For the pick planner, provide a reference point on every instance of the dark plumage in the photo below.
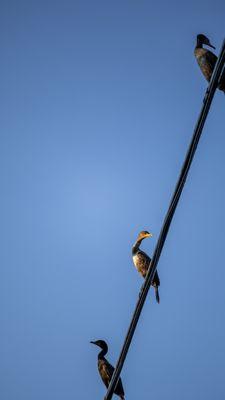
(206, 59)
(142, 260)
(106, 369)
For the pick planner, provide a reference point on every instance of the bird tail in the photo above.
(157, 294)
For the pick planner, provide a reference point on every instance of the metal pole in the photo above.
(169, 216)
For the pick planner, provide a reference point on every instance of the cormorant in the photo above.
(206, 59)
(106, 369)
(142, 261)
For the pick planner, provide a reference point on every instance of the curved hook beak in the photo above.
(210, 45)
(149, 234)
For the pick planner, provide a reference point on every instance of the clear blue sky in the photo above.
(99, 102)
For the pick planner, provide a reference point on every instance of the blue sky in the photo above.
(99, 104)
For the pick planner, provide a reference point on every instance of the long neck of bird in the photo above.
(102, 353)
(136, 246)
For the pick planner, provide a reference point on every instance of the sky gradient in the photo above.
(99, 102)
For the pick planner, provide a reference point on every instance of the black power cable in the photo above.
(169, 216)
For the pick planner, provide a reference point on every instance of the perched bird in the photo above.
(206, 59)
(106, 369)
(142, 261)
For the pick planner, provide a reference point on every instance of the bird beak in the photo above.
(149, 235)
(92, 342)
(210, 45)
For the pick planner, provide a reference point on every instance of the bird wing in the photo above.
(207, 63)
(206, 60)
(119, 387)
(211, 59)
(109, 369)
(142, 263)
(147, 260)
(106, 371)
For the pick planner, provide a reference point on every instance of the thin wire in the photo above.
(168, 218)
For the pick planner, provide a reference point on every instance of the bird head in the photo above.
(101, 343)
(144, 234)
(204, 40)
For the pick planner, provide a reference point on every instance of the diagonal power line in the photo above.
(169, 216)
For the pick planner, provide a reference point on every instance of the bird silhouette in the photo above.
(106, 369)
